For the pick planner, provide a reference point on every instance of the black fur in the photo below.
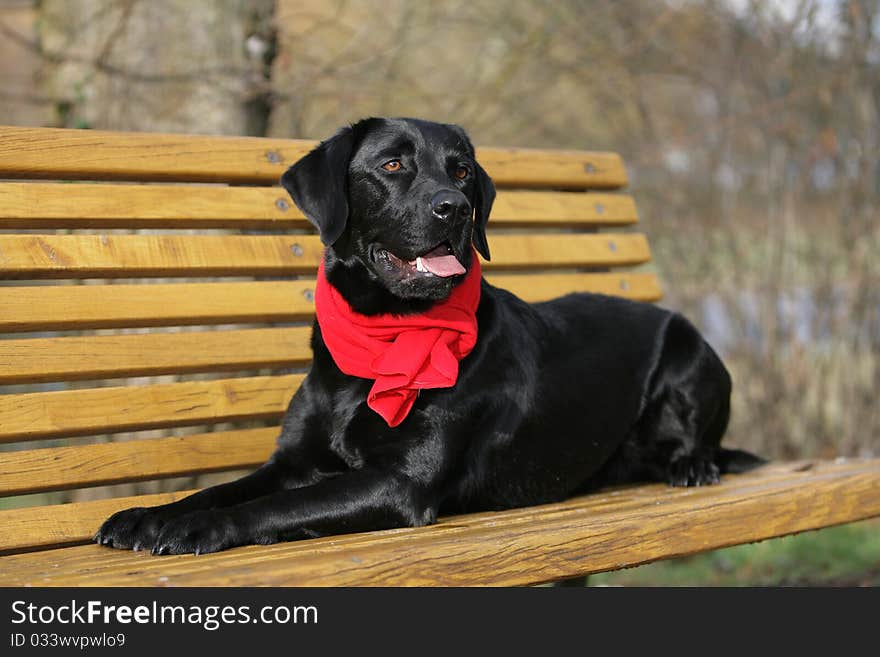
(556, 398)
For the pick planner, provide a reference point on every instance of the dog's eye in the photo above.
(392, 166)
(462, 172)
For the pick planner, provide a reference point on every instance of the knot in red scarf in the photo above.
(402, 353)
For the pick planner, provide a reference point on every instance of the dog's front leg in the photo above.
(137, 528)
(352, 502)
(299, 461)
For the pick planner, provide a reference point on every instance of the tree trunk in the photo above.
(164, 65)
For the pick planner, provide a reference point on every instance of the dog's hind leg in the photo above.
(677, 437)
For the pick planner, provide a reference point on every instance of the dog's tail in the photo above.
(735, 461)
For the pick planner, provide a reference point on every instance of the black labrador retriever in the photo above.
(549, 400)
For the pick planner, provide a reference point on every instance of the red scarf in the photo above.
(402, 353)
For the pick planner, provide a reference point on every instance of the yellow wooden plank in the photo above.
(114, 256)
(59, 468)
(71, 307)
(525, 546)
(525, 251)
(556, 169)
(540, 208)
(66, 524)
(37, 205)
(102, 155)
(109, 356)
(542, 287)
(64, 413)
(104, 256)
(98, 155)
(91, 205)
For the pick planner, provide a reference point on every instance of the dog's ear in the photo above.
(317, 183)
(484, 197)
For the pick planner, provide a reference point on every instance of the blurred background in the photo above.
(751, 132)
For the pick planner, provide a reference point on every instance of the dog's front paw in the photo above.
(199, 532)
(135, 528)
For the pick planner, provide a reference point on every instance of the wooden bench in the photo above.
(224, 253)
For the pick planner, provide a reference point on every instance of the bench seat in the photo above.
(608, 530)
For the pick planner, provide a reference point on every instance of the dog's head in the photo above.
(399, 203)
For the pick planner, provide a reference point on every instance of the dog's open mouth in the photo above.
(439, 261)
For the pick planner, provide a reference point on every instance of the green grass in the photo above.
(839, 556)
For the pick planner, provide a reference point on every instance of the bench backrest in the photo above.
(181, 260)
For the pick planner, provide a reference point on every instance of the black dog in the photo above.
(555, 398)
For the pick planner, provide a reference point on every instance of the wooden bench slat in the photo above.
(567, 250)
(543, 287)
(523, 546)
(115, 256)
(110, 256)
(100, 155)
(538, 208)
(556, 169)
(110, 356)
(104, 155)
(92, 411)
(80, 466)
(72, 307)
(59, 205)
(66, 524)
(85, 205)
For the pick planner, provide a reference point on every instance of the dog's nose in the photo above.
(447, 204)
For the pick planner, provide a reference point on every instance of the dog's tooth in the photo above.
(419, 266)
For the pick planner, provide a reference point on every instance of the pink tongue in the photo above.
(447, 265)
